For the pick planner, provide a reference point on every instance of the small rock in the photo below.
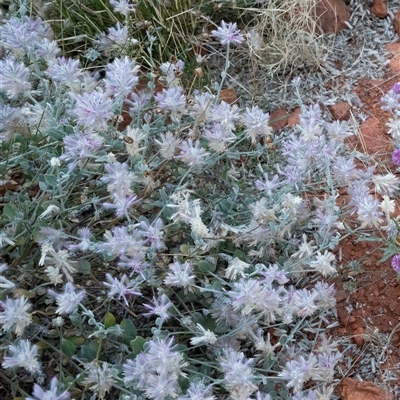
(331, 15)
(396, 22)
(379, 8)
(294, 117)
(278, 119)
(228, 95)
(357, 338)
(352, 389)
(341, 111)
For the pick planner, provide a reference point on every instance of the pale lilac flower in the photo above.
(134, 262)
(396, 157)
(391, 101)
(52, 394)
(153, 234)
(160, 308)
(119, 178)
(116, 39)
(180, 275)
(387, 206)
(306, 249)
(171, 100)
(324, 263)
(10, 118)
(79, 146)
(206, 336)
(394, 128)
(92, 110)
(202, 102)
(251, 296)
(121, 77)
(344, 170)
(228, 33)
(396, 263)
(304, 302)
(368, 212)
(22, 354)
(163, 357)
(268, 185)
(238, 374)
(161, 386)
(100, 378)
(121, 204)
(236, 267)
(198, 390)
(121, 242)
(68, 301)
(168, 145)
(396, 87)
(66, 71)
(218, 137)
(21, 35)
(225, 114)
(136, 371)
(14, 78)
(325, 295)
(125, 7)
(272, 273)
(298, 372)
(121, 288)
(139, 101)
(385, 184)
(257, 123)
(171, 71)
(84, 241)
(5, 284)
(15, 315)
(59, 259)
(192, 155)
(48, 50)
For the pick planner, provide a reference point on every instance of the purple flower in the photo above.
(119, 178)
(396, 88)
(80, 146)
(22, 354)
(14, 78)
(153, 233)
(51, 394)
(160, 307)
(228, 33)
(122, 204)
(66, 71)
(396, 157)
(92, 110)
(396, 263)
(121, 288)
(121, 77)
(193, 155)
(69, 300)
(171, 100)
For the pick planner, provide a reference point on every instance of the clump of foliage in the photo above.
(156, 242)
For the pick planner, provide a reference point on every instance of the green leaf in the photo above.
(87, 353)
(129, 328)
(9, 211)
(205, 266)
(84, 267)
(77, 340)
(109, 320)
(67, 347)
(137, 344)
(51, 180)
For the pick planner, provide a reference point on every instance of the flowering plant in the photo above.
(155, 245)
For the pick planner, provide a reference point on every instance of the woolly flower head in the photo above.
(14, 78)
(396, 263)
(69, 300)
(228, 33)
(22, 354)
(15, 315)
(52, 394)
(324, 263)
(257, 123)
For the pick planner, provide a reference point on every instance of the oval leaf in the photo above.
(68, 348)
